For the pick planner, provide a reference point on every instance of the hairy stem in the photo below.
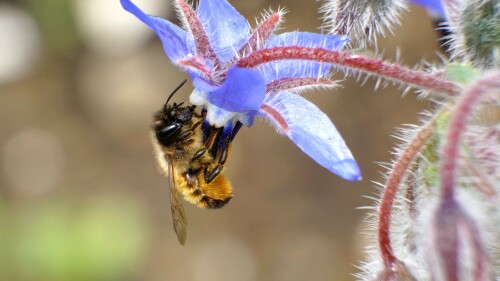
(481, 260)
(456, 128)
(355, 62)
(449, 215)
(393, 182)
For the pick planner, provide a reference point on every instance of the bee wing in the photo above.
(178, 213)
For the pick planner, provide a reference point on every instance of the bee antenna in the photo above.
(177, 105)
(173, 92)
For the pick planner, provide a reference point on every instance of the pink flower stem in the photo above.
(484, 186)
(446, 238)
(456, 127)
(393, 182)
(481, 259)
(449, 214)
(356, 62)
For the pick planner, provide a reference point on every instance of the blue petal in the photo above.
(248, 118)
(301, 68)
(434, 5)
(312, 131)
(244, 90)
(292, 69)
(201, 84)
(176, 42)
(227, 30)
(307, 39)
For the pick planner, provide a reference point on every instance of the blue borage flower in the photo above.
(434, 5)
(215, 37)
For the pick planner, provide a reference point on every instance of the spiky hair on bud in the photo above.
(412, 213)
(438, 216)
(476, 33)
(362, 19)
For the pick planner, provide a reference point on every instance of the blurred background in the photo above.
(80, 194)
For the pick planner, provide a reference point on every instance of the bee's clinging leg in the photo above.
(196, 124)
(222, 157)
(202, 115)
(212, 139)
(198, 154)
(235, 130)
(187, 142)
(184, 135)
(211, 175)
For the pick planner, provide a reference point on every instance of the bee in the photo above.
(192, 154)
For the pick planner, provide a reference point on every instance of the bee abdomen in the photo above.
(213, 195)
(211, 203)
(196, 196)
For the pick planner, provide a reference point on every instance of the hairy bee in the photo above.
(192, 155)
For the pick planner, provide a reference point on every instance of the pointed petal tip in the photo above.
(177, 44)
(347, 169)
(312, 131)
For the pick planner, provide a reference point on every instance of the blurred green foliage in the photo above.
(104, 239)
(461, 73)
(3, 239)
(56, 21)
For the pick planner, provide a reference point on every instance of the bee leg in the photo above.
(213, 139)
(187, 142)
(190, 132)
(212, 174)
(208, 145)
(235, 130)
(184, 135)
(221, 155)
(196, 124)
(198, 154)
(202, 115)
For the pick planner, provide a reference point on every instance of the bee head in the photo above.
(177, 113)
(168, 122)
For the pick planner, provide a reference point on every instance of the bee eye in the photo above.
(167, 131)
